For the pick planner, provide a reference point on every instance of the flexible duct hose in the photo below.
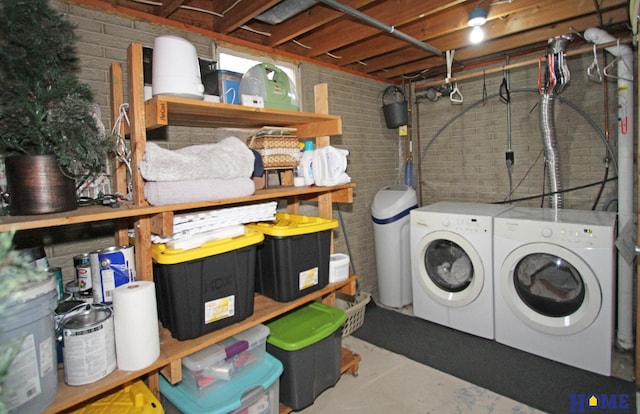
(548, 129)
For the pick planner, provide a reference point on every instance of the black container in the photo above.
(308, 342)
(294, 259)
(212, 289)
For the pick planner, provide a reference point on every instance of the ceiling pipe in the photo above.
(379, 25)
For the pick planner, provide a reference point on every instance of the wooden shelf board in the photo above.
(100, 213)
(265, 309)
(169, 110)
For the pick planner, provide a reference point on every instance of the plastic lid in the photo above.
(217, 353)
(230, 396)
(305, 326)
(308, 146)
(392, 200)
(164, 255)
(34, 290)
(286, 225)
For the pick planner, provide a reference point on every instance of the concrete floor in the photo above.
(391, 383)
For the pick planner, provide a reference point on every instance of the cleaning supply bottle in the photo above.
(306, 163)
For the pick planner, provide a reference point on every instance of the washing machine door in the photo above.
(450, 269)
(550, 288)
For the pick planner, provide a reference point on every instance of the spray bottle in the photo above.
(306, 162)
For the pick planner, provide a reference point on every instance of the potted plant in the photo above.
(47, 116)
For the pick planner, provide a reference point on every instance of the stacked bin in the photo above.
(207, 288)
(308, 342)
(294, 259)
(235, 375)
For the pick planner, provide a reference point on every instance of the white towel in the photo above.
(227, 159)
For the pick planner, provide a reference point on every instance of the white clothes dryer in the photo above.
(452, 268)
(555, 284)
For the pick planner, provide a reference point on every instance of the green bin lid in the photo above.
(305, 326)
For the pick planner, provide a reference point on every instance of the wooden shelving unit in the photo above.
(145, 219)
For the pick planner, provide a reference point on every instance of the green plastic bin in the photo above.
(308, 342)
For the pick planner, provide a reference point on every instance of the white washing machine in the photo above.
(555, 284)
(451, 263)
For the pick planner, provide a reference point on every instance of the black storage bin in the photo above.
(294, 259)
(208, 288)
(308, 342)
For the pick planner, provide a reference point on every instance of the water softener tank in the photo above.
(390, 214)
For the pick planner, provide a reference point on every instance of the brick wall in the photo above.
(466, 162)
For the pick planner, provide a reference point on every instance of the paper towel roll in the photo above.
(135, 319)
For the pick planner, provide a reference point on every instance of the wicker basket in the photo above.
(354, 306)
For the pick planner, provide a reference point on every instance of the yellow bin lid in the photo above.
(164, 255)
(287, 224)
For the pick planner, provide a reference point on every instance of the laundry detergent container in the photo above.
(294, 259)
(390, 216)
(308, 342)
(207, 288)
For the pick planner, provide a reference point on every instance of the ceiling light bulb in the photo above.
(477, 17)
(477, 35)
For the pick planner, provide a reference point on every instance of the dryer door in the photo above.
(550, 288)
(450, 270)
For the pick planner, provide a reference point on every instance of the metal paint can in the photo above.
(56, 273)
(110, 268)
(37, 255)
(88, 345)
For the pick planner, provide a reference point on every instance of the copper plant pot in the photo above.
(37, 186)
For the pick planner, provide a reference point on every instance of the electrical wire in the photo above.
(529, 90)
(564, 190)
(566, 101)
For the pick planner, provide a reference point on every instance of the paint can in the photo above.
(27, 323)
(88, 345)
(65, 309)
(110, 268)
(82, 264)
(37, 255)
(56, 273)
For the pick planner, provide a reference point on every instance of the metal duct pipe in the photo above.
(553, 82)
(379, 25)
(548, 129)
(624, 54)
(284, 11)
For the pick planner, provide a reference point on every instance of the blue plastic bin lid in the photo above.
(229, 397)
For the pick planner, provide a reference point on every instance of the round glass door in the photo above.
(450, 270)
(548, 284)
(448, 265)
(550, 288)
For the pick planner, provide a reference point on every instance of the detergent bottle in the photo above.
(306, 163)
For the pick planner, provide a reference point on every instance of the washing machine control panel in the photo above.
(565, 234)
(466, 224)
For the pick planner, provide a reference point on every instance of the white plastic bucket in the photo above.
(175, 70)
(32, 379)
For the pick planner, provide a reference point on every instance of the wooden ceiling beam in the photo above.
(529, 14)
(502, 45)
(168, 7)
(241, 14)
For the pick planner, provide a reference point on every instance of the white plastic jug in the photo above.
(329, 166)
(175, 69)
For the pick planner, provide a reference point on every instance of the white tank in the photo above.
(175, 70)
